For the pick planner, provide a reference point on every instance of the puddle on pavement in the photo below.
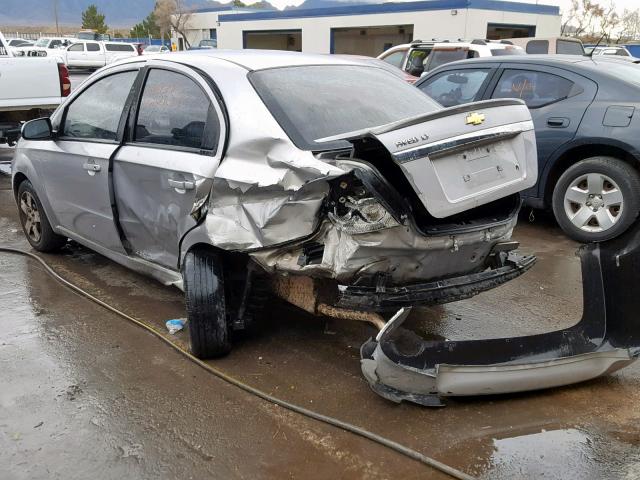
(562, 454)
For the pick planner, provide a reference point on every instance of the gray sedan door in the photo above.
(75, 166)
(163, 175)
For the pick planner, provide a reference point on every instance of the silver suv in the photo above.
(331, 182)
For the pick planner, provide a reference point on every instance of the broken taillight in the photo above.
(65, 81)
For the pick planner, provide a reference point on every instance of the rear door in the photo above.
(557, 100)
(95, 55)
(162, 176)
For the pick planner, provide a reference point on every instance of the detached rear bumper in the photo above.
(605, 340)
(382, 298)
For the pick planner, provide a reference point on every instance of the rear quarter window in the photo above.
(566, 47)
(538, 47)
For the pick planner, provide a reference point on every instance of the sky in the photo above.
(563, 4)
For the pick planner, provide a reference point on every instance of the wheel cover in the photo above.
(30, 216)
(593, 203)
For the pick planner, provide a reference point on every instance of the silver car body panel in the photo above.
(266, 194)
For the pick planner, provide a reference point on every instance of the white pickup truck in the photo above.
(44, 47)
(93, 54)
(30, 87)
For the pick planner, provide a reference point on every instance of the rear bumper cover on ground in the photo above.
(605, 340)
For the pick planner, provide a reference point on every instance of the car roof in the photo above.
(262, 59)
(581, 64)
(581, 61)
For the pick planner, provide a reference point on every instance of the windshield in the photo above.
(43, 42)
(152, 48)
(313, 102)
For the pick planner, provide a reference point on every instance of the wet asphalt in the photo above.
(84, 394)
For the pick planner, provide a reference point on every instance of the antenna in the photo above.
(597, 45)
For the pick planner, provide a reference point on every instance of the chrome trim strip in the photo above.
(454, 145)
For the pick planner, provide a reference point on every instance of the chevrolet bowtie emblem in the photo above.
(475, 118)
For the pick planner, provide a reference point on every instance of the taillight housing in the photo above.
(65, 81)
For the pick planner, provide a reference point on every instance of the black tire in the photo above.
(625, 180)
(203, 278)
(30, 209)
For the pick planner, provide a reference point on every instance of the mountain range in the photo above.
(119, 13)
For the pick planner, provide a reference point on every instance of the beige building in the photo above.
(370, 29)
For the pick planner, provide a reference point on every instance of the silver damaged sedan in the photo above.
(234, 175)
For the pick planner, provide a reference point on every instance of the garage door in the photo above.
(369, 41)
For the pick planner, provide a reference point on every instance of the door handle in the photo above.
(91, 167)
(558, 122)
(181, 184)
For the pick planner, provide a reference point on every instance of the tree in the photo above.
(94, 20)
(173, 15)
(147, 28)
(629, 26)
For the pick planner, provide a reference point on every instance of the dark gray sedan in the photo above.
(587, 131)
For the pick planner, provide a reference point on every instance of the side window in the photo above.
(537, 89)
(417, 61)
(174, 111)
(538, 47)
(78, 47)
(455, 87)
(95, 113)
(395, 58)
(117, 47)
(568, 47)
(447, 55)
(55, 43)
(93, 47)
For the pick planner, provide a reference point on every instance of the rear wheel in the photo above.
(35, 223)
(597, 199)
(206, 304)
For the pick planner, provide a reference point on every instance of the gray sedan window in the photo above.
(537, 89)
(313, 102)
(95, 113)
(457, 87)
(174, 111)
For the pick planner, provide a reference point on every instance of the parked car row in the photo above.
(31, 88)
(82, 53)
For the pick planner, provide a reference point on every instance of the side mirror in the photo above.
(39, 129)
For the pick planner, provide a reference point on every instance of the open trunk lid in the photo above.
(462, 157)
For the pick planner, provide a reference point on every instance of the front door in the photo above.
(163, 174)
(76, 56)
(75, 169)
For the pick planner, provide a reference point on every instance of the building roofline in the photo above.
(394, 7)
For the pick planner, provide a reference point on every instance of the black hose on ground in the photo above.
(413, 454)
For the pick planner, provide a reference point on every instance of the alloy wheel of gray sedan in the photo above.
(593, 202)
(32, 226)
(597, 199)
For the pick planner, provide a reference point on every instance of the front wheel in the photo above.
(35, 223)
(203, 278)
(597, 199)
